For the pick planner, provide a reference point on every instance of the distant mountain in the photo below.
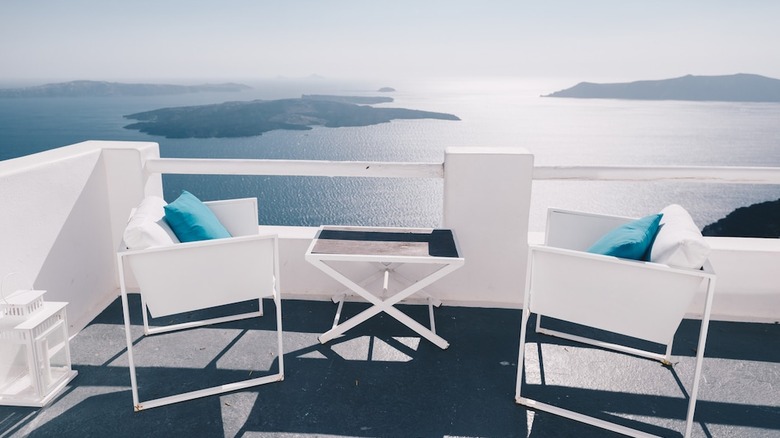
(244, 119)
(732, 88)
(757, 220)
(101, 88)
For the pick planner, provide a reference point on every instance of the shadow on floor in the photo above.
(382, 380)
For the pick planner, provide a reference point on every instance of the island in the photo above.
(757, 220)
(386, 90)
(360, 100)
(730, 88)
(102, 88)
(250, 118)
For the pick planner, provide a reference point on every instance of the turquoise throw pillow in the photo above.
(192, 220)
(630, 241)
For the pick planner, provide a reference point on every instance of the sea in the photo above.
(494, 112)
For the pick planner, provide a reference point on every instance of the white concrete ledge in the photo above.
(699, 174)
(748, 284)
(197, 166)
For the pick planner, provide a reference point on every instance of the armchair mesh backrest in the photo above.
(578, 231)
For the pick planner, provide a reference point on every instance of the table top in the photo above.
(390, 242)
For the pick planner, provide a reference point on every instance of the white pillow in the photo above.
(147, 226)
(679, 242)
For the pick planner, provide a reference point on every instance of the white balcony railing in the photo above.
(65, 209)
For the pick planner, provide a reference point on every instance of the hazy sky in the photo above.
(365, 39)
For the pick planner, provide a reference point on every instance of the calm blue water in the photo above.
(494, 113)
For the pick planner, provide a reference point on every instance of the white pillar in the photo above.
(126, 184)
(487, 196)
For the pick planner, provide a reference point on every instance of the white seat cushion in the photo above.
(679, 242)
(147, 227)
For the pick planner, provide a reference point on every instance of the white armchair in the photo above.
(643, 300)
(178, 278)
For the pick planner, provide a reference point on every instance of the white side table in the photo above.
(385, 248)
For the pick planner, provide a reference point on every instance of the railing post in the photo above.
(487, 197)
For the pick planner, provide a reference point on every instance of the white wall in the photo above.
(748, 283)
(56, 226)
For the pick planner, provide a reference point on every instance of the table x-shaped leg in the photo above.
(386, 305)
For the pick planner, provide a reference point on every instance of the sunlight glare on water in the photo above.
(495, 112)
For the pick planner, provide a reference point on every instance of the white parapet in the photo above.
(64, 211)
(748, 285)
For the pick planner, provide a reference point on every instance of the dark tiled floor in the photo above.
(382, 380)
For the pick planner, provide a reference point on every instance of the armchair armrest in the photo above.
(196, 275)
(641, 299)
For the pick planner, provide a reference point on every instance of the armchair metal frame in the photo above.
(192, 276)
(642, 300)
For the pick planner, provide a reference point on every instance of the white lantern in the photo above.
(35, 361)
